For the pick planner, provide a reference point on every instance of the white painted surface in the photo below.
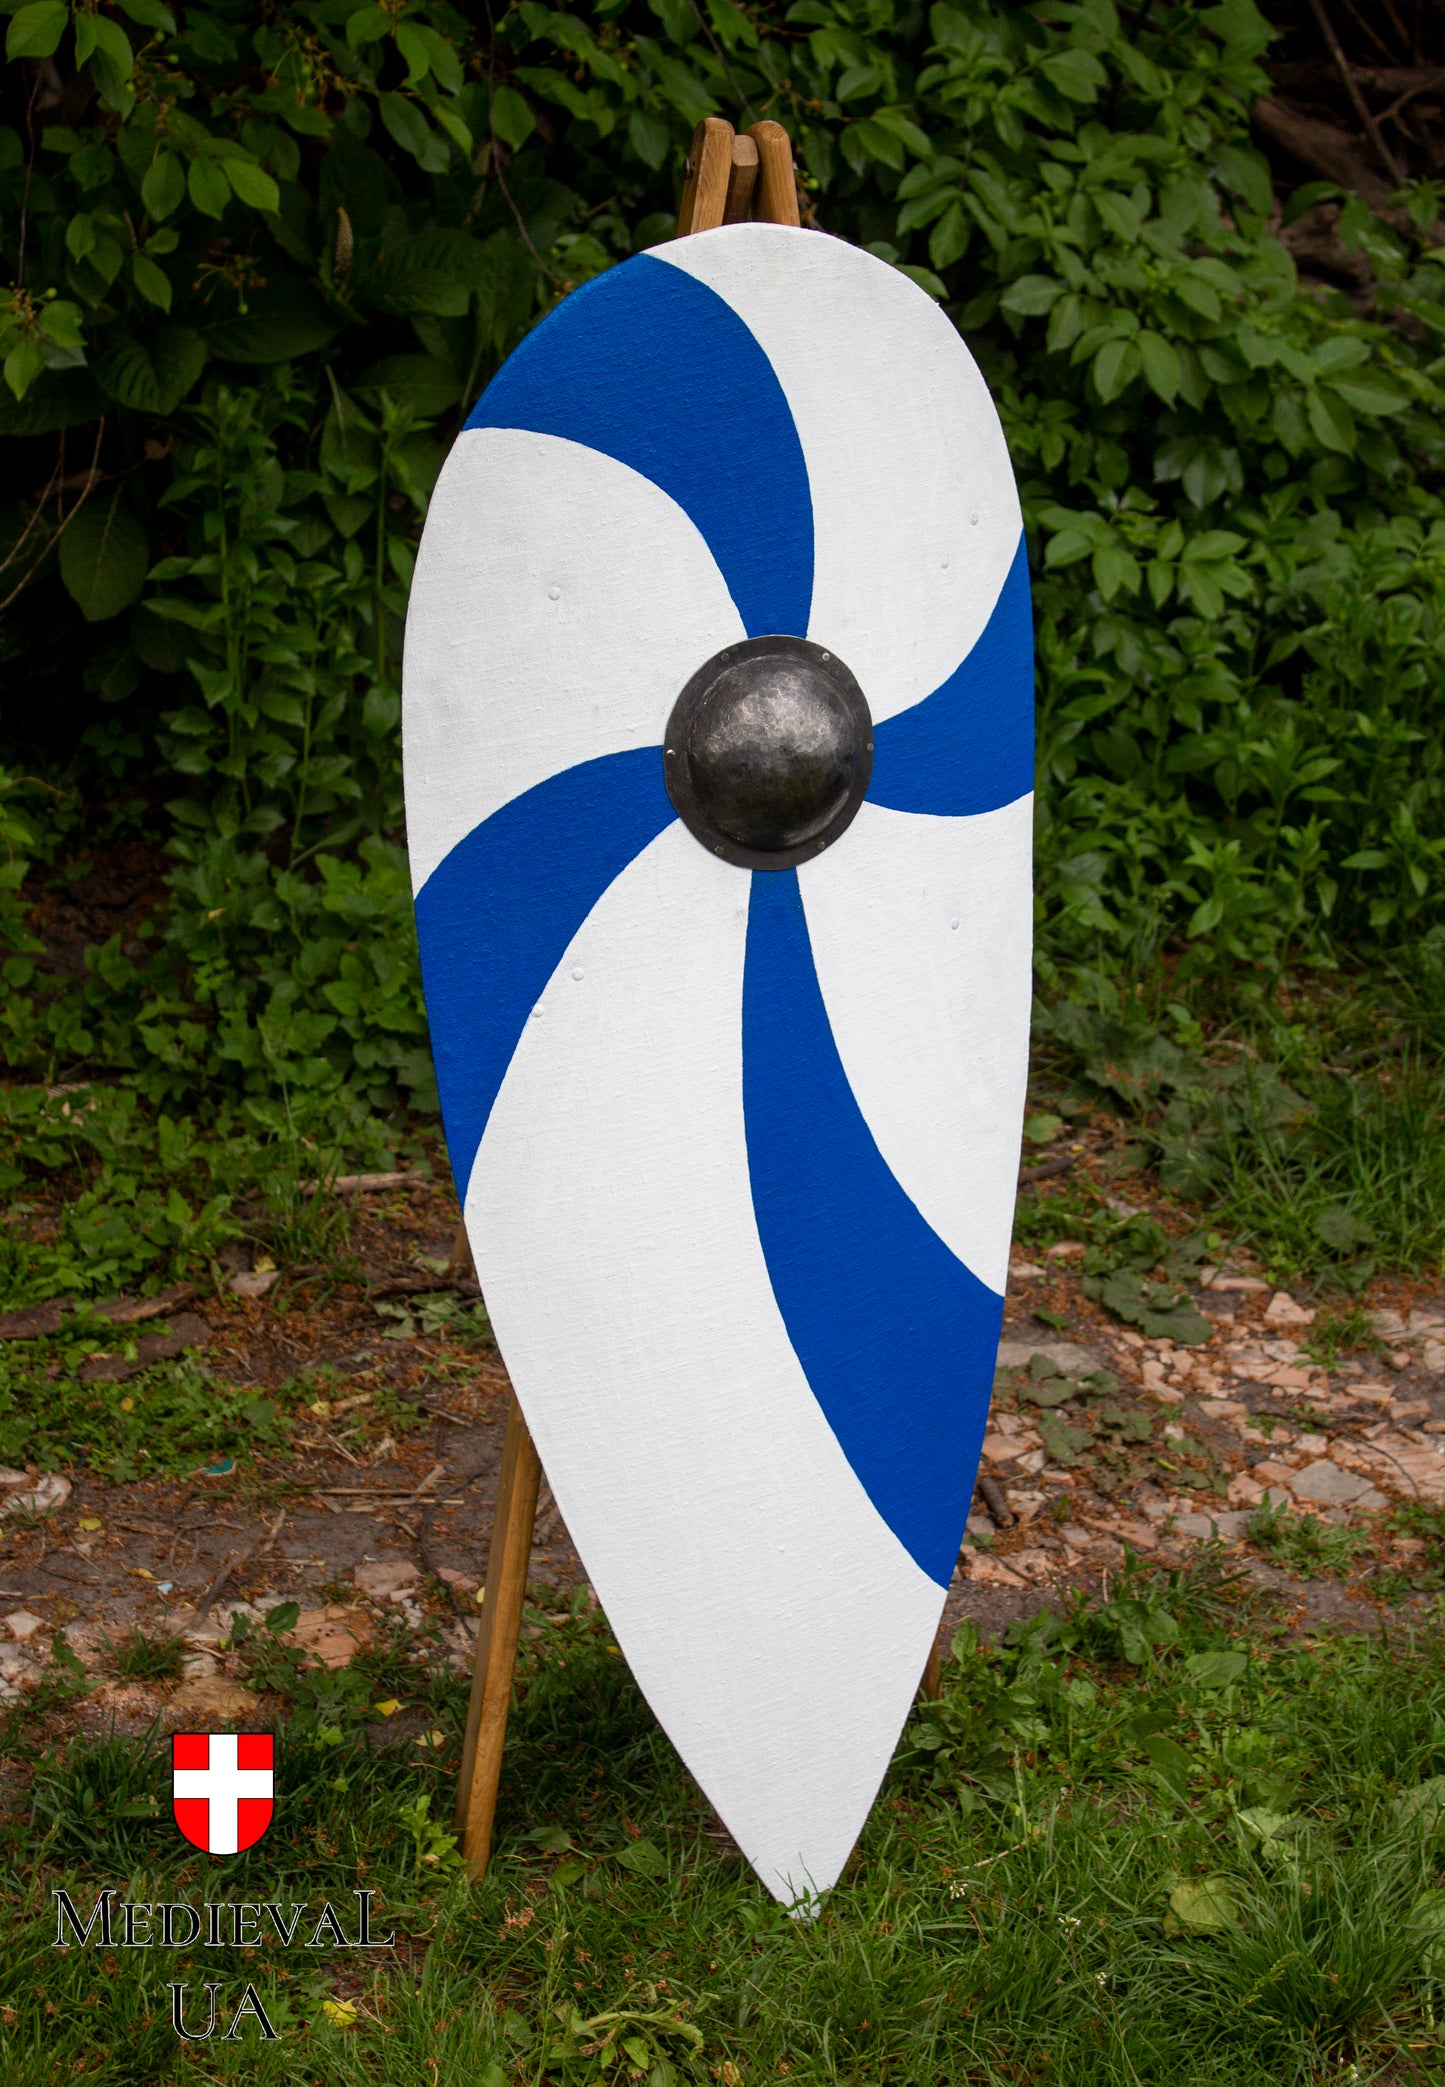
(921, 931)
(776, 1625)
(560, 603)
(915, 514)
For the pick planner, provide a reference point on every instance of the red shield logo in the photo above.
(223, 1788)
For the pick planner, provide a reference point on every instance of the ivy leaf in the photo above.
(35, 32)
(104, 556)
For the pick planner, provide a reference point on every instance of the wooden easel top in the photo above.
(735, 175)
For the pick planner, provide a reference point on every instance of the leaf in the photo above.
(552, 1840)
(512, 120)
(1032, 295)
(252, 184)
(644, 1858)
(1115, 367)
(1420, 1810)
(151, 15)
(35, 32)
(1041, 1128)
(104, 556)
(1161, 365)
(112, 43)
(1166, 1754)
(948, 241)
(649, 136)
(285, 319)
(413, 47)
(282, 1618)
(163, 185)
(367, 25)
(1205, 1902)
(1076, 74)
(152, 281)
(406, 123)
(209, 189)
(1215, 1669)
(153, 374)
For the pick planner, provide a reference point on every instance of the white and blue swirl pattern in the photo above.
(737, 1149)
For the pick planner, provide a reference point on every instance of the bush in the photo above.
(265, 259)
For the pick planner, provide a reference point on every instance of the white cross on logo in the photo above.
(223, 1784)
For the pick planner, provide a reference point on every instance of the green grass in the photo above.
(1303, 1544)
(1155, 1843)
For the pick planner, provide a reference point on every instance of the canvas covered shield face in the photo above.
(223, 1788)
(718, 739)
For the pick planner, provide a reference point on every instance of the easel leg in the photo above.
(931, 1686)
(497, 1635)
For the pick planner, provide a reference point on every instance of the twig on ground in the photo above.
(233, 1564)
(1352, 88)
(992, 1495)
(1048, 1170)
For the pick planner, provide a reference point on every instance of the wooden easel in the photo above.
(730, 177)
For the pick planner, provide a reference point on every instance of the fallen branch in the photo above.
(1049, 1170)
(361, 1184)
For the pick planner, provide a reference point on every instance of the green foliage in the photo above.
(1114, 1826)
(264, 259)
(1303, 1544)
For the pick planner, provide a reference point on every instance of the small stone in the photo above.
(384, 1577)
(1433, 1356)
(460, 1580)
(86, 1641)
(209, 1700)
(1269, 1473)
(979, 1525)
(1231, 1525)
(254, 1282)
(1223, 1409)
(984, 1570)
(1282, 1310)
(334, 1635)
(1390, 1326)
(198, 1666)
(1326, 1484)
(24, 1623)
(9, 1476)
(1068, 1357)
(41, 1498)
